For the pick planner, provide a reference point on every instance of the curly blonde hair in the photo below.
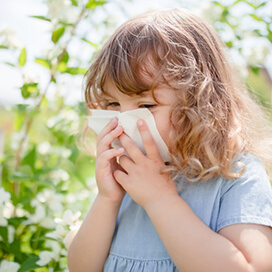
(214, 119)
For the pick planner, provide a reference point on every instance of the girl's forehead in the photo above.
(111, 90)
(161, 93)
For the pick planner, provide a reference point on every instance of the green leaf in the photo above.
(64, 57)
(29, 90)
(43, 62)
(255, 17)
(4, 234)
(18, 121)
(91, 43)
(255, 69)
(92, 4)
(56, 35)
(74, 3)
(10, 64)
(253, 5)
(15, 248)
(269, 36)
(29, 264)
(22, 57)
(30, 159)
(262, 4)
(62, 67)
(75, 70)
(3, 47)
(229, 44)
(41, 18)
(218, 4)
(236, 2)
(24, 174)
(21, 108)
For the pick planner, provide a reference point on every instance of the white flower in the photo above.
(59, 233)
(38, 215)
(29, 77)
(208, 11)
(9, 38)
(4, 196)
(64, 118)
(71, 198)
(69, 238)
(3, 221)
(11, 232)
(7, 266)
(53, 53)
(51, 199)
(61, 10)
(56, 248)
(59, 175)
(8, 209)
(47, 223)
(69, 217)
(255, 50)
(20, 212)
(44, 148)
(45, 258)
(71, 234)
(63, 152)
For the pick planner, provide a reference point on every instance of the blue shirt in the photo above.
(136, 246)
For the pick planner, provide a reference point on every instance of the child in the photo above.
(210, 207)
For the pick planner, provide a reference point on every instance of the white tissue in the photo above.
(128, 120)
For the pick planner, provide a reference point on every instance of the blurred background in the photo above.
(46, 175)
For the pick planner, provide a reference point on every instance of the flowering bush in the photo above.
(47, 179)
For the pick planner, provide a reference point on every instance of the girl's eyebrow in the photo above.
(140, 95)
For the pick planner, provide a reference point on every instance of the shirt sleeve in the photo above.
(247, 199)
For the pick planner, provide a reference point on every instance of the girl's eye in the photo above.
(113, 104)
(148, 106)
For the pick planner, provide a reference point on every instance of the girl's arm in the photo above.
(191, 244)
(195, 247)
(90, 247)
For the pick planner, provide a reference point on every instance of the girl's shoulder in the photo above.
(253, 174)
(219, 202)
(247, 199)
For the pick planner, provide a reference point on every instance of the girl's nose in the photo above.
(127, 108)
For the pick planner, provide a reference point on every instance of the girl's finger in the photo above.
(150, 145)
(105, 142)
(121, 178)
(125, 162)
(132, 149)
(112, 124)
(106, 156)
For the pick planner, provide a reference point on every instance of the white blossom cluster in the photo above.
(61, 10)
(9, 38)
(47, 205)
(6, 211)
(8, 266)
(251, 50)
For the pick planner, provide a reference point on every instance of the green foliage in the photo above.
(46, 176)
(22, 57)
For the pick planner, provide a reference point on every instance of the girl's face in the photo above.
(164, 95)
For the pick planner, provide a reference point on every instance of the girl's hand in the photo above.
(106, 162)
(142, 177)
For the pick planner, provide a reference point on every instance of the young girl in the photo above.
(210, 207)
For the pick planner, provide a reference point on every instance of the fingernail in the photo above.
(140, 122)
(113, 120)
